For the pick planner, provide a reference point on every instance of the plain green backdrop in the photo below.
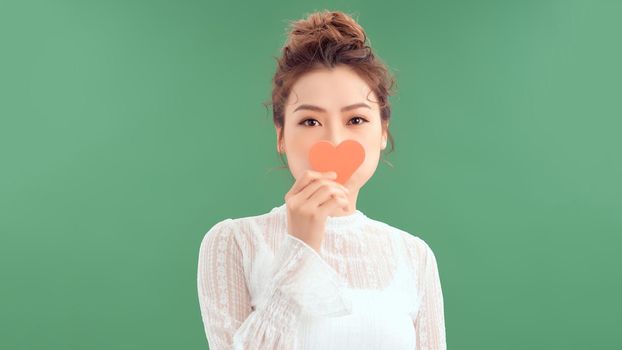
(129, 128)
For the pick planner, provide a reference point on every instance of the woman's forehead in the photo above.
(330, 82)
(331, 100)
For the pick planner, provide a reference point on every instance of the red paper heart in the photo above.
(343, 159)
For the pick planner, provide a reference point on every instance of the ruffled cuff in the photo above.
(274, 327)
(300, 273)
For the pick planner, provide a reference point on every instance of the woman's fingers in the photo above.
(331, 204)
(306, 179)
(313, 187)
(324, 194)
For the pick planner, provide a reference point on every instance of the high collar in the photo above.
(332, 222)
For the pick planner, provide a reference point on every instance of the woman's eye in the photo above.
(306, 120)
(361, 121)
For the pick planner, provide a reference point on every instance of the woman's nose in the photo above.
(335, 136)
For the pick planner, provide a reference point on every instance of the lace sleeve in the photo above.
(429, 319)
(301, 281)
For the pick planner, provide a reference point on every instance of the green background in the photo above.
(129, 128)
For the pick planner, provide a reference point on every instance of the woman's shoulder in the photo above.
(412, 241)
(242, 227)
(417, 250)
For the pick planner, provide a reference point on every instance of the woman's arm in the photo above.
(429, 319)
(301, 282)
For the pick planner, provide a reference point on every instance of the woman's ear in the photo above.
(280, 147)
(384, 139)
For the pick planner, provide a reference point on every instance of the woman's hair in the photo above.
(323, 40)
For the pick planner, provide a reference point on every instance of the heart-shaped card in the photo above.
(343, 159)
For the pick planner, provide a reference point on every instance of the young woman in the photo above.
(315, 272)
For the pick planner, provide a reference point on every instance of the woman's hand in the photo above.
(310, 200)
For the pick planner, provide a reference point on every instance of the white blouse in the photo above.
(371, 286)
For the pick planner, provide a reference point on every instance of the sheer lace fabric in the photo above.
(371, 286)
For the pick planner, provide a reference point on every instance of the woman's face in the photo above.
(333, 105)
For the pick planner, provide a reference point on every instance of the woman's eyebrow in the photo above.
(322, 110)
